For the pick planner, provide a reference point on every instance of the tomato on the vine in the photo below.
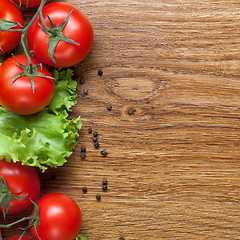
(60, 218)
(21, 180)
(10, 18)
(28, 3)
(64, 39)
(18, 93)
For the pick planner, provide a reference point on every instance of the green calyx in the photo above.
(55, 34)
(30, 71)
(33, 218)
(33, 222)
(6, 195)
(7, 25)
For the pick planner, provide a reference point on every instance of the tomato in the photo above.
(28, 3)
(20, 180)
(77, 28)
(9, 12)
(18, 96)
(59, 216)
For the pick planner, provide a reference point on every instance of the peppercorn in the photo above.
(109, 107)
(104, 182)
(104, 153)
(100, 72)
(98, 197)
(121, 238)
(83, 148)
(84, 189)
(85, 91)
(89, 130)
(95, 134)
(104, 187)
(81, 81)
(83, 154)
(96, 144)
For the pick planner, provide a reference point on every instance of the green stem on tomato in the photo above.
(24, 33)
(16, 222)
(11, 30)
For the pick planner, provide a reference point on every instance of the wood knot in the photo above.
(131, 111)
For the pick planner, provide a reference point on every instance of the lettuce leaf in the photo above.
(45, 139)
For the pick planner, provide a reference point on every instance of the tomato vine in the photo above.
(28, 70)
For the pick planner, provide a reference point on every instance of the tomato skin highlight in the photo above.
(9, 12)
(21, 180)
(60, 217)
(78, 29)
(18, 97)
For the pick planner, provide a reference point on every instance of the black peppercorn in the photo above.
(104, 153)
(96, 144)
(100, 72)
(81, 81)
(95, 134)
(83, 154)
(121, 238)
(89, 130)
(104, 187)
(109, 107)
(84, 189)
(104, 182)
(83, 148)
(98, 197)
(94, 139)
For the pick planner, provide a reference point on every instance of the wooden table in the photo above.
(171, 71)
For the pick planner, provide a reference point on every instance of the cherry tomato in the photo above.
(28, 3)
(59, 216)
(77, 28)
(20, 180)
(9, 12)
(18, 96)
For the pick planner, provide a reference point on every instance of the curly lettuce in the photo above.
(45, 139)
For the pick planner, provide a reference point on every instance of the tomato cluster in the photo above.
(59, 35)
(58, 215)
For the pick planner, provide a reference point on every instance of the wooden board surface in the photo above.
(171, 71)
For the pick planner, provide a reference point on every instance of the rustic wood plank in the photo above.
(171, 72)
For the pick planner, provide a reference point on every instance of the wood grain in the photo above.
(171, 70)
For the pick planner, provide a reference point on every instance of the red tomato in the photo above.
(78, 28)
(21, 180)
(59, 216)
(18, 97)
(9, 12)
(28, 3)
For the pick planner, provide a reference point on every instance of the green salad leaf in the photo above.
(45, 139)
